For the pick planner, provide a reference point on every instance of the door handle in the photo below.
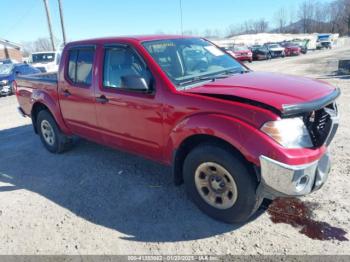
(102, 99)
(66, 93)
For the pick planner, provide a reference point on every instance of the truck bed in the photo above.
(45, 77)
(31, 85)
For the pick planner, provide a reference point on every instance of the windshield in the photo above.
(274, 46)
(189, 60)
(5, 69)
(43, 57)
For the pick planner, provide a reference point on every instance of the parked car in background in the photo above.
(233, 136)
(260, 52)
(229, 51)
(242, 53)
(303, 44)
(291, 49)
(276, 50)
(46, 61)
(8, 61)
(8, 73)
(324, 41)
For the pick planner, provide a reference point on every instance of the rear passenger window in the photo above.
(80, 65)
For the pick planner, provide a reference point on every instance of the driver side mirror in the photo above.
(135, 83)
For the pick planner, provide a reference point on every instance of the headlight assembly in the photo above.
(289, 132)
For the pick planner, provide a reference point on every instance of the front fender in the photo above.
(232, 130)
(248, 140)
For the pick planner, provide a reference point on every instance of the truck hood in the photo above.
(283, 93)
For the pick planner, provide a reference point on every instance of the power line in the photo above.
(19, 20)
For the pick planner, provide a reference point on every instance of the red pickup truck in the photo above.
(233, 136)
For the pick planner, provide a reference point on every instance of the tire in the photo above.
(244, 203)
(46, 124)
(12, 91)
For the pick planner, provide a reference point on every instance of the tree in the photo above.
(260, 26)
(281, 19)
(306, 15)
(39, 45)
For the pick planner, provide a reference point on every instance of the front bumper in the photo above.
(279, 179)
(5, 90)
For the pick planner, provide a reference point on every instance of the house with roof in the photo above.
(10, 50)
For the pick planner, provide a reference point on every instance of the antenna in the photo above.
(181, 21)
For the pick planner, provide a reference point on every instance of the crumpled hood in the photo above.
(274, 90)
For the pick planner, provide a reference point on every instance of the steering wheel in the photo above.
(201, 66)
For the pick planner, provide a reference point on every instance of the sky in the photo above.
(25, 20)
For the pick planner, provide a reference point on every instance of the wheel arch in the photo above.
(225, 131)
(37, 107)
(53, 109)
(194, 141)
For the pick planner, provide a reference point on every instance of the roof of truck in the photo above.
(140, 38)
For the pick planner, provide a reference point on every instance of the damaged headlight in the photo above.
(289, 132)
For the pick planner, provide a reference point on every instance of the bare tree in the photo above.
(306, 15)
(248, 26)
(39, 45)
(260, 25)
(207, 33)
(281, 19)
(346, 16)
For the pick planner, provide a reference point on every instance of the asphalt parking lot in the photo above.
(95, 200)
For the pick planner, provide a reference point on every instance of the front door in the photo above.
(131, 120)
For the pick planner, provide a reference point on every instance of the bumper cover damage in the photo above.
(279, 179)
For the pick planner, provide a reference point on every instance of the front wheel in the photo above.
(51, 136)
(221, 184)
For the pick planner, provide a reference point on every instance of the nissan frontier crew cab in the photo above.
(233, 136)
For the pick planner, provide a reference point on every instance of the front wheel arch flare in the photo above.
(194, 141)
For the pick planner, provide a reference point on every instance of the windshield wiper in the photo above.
(201, 78)
(213, 77)
(220, 75)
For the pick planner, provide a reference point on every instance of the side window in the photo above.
(119, 62)
(80, 65)
(72, 64)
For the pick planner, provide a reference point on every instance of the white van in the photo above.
(46, 61)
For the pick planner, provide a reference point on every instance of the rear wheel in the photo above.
(220, 183)
(51, 137)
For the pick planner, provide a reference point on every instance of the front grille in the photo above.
(319, 123)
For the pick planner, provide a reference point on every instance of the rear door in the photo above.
(76, 92)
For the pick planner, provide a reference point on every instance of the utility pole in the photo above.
(181, 20)
(62, 22)
(49, 24)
